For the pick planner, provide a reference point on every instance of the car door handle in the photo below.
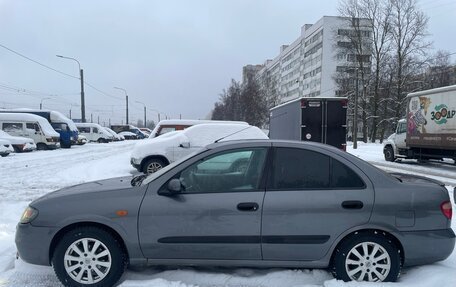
(247, 206)
(352, 204)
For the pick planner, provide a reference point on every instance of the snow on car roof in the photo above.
(44, 124)
(54, 115)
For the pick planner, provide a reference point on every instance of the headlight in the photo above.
(29, 215)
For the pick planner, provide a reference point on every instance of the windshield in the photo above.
(167, 168)
(59, 126)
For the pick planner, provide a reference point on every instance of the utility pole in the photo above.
(91, 118)
(355, 116)
(126, 99)
(145, 112)
(81, 77)
(70, 113)
(98, 119)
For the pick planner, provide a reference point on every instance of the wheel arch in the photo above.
(55, 240)
(155, 156)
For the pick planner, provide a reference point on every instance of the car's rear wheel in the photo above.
(367, 257)
(153, 165)
(89, 256)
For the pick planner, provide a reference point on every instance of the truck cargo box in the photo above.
(311, 119)
(431, 119)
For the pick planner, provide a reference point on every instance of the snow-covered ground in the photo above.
(24, 177)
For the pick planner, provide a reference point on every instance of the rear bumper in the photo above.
(33, 243)
(424, 247)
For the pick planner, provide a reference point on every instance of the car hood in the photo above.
(18, 140)
(99, 186)
(157, 145)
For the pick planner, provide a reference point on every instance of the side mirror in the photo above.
(185, 145)
(174, 186)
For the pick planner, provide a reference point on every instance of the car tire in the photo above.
(389, 154)
(381, 262)
(102, 140)
(76, 263)
(41, 146)
(153, 164)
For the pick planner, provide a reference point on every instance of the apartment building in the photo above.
(308, 66)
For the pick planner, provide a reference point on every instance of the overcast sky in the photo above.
(175, 56)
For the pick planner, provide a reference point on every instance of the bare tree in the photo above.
(409, 32)
(358, 50)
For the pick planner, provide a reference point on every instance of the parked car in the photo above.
(94, 132)
(116, 136)
(146, 131)
(30, 126)
(166, 126)
(294, 204)
(5, 148)
(82, 140)
(19, 144)
(128, 135)
(153, 154)
(129, 128)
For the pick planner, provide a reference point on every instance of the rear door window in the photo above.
(299, 169)
(296, 169)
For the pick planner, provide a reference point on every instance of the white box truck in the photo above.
(429, 129)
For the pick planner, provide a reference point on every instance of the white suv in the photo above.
(153, 154)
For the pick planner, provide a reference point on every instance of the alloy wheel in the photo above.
(87, 261)
(368, 261)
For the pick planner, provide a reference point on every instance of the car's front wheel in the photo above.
(153, 165)
(367, 257)
(89, 256)
(389, 154)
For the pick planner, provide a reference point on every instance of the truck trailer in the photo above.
(317, 119)
(429, 129)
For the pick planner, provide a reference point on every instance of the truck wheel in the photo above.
(89, 256)
(367, 257)
(389, 154)
(153, 165)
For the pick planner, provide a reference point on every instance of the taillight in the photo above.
(446, 209)
(344, 147)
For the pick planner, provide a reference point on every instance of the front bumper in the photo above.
(53, 145)
(424, 247)
(135, 164)
(33, 243)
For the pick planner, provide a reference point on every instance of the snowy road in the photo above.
(25, 177)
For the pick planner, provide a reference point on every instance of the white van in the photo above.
(94, 132)
(151, 155)
(30, 126)
(167, 126)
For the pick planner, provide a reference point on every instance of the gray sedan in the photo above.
(244, 203)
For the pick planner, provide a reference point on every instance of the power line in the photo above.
(36, 62)
(57, 71)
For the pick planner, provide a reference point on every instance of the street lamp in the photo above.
(41, 102)
(81, 73)
(126, 97)
(145, 111)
